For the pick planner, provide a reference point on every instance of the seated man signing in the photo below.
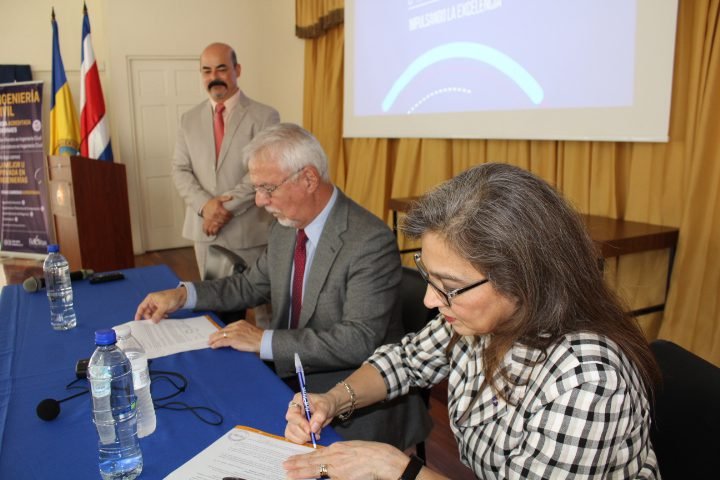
(331, 272)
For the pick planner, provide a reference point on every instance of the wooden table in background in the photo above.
(612, 237)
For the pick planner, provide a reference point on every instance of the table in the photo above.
(612, 237)
(37, 362)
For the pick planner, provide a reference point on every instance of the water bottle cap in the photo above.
(105, 336)
(122, 330)
(53, 248)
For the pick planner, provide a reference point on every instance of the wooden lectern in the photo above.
(90, 210)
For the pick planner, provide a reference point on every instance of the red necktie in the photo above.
(219, 128)
(297, 284)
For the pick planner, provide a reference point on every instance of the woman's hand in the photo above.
(298, 428)
(354, 460)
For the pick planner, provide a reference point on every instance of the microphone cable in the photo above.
(204, 414)
(49, 408)
(195, 410)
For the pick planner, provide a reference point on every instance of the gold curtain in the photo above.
(675, 183)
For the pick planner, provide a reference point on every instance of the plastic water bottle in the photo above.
(59, 290)
(141, 379)
(114, 409)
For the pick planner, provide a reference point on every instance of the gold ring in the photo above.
(294, 404)
(323, 471)
(224, 334)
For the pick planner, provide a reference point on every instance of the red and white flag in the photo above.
(94, 131)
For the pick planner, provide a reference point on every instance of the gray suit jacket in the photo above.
(350, 308)
(197, 180)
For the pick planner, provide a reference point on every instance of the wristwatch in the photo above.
(413, 469)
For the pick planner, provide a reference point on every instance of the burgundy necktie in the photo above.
(297, 284)
(219, 128)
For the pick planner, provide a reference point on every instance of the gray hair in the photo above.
(518, 231)
(291, 146)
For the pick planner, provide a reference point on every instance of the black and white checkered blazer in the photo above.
(582, 412)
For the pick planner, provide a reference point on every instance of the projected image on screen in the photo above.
(527, 69)
(451, 56)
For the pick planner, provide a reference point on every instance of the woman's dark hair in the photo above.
(518, 231)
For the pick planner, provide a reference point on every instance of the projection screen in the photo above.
(509, 69)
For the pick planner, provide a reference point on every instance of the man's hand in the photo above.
(211, 227)
(240, 335)
(157, 305)
(215, 215)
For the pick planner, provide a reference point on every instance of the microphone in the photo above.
(33, 284)
(49, 408)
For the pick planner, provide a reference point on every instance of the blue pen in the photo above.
(303, 391)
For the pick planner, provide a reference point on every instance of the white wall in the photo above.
(261, 31)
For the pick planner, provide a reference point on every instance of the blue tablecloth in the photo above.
(37, 362)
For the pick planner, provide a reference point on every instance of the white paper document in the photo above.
(173, 335)
(242, 452)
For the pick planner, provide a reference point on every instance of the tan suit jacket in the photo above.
(197, 180)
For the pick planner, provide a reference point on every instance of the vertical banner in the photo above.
(23, 191)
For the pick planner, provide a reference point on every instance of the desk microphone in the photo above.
(33, 284)
(49, 408)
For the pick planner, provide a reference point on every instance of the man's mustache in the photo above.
(217, 83)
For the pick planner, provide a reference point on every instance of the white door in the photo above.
(162, 90)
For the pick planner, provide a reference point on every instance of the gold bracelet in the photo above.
(353, 399)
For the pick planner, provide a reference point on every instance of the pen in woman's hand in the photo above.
(303, 391)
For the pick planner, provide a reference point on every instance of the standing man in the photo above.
(208, 168)
(332, 272)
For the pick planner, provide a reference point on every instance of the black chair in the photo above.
(219, 259)
(219, 263)
(414, 317)
(686, 414)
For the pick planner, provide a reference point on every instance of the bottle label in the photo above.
(100, 378)
(140, 374)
